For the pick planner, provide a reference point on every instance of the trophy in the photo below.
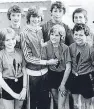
(57, 63)
(16, 68)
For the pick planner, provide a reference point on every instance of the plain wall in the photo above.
(4, 22)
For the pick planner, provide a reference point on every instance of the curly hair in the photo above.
(79, 27)
(3, 33)
(80, 10)
(59, 5)
(13, 9)
(34, 12)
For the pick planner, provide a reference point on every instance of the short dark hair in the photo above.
(80, 10)
(13, 9)
(59, 5)
(35, 12)
(79, 27)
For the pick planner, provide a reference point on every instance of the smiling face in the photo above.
(35, 20)
(57, 14)
(15, 19)
(57, 34)
(10, 41)
(80, 37)
(55, 37)
(79, 18)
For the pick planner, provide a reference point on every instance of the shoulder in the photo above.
(91, 49)
(24, 32)
(64, 46)
(72, 45)
(65, 26)
(25, 29)
(46, 24)
(18, 51)
(2, 52)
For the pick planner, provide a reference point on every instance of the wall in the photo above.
(4, 22)
(71, 5)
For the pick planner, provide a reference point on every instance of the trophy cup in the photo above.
(16, 68)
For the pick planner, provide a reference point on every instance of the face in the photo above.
(35, 21)
(10, 42)
(79, 18)
(57, 14)
(15, 19)
(55, 37)
(80, 37)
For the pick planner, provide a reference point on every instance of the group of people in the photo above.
(46, 59)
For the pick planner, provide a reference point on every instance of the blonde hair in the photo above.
(3, 33)
(59, 28)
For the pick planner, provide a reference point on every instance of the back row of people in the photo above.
(46, 58)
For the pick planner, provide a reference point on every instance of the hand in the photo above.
(52, 62)
(23, 94)
(62, 90)
(62, 87)
(16, 96)
(43, 44)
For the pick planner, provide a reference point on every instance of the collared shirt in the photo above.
(48, 25)
(8, 67)
(86, 60)
(62, 54)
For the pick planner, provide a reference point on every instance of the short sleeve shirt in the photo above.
(63, 57)
(11, 64)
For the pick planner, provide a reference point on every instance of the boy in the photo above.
(14, 15)
(81, 79)
(57, 12)
(80, 16)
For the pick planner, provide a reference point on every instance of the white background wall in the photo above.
(24, 4)
(71, 5)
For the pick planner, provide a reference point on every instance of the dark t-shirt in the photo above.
(48, 25)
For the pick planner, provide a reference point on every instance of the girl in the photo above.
(59, 73)
(36, 60)
(12, 71)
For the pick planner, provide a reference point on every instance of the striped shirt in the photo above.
(33, 52)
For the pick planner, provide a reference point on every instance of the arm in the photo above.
(92, 55)
(5, 86)
(27, 51)
(66, 74)
(68, 67)
(23, 92)
(24, 78)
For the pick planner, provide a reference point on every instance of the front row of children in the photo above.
(70, 68)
